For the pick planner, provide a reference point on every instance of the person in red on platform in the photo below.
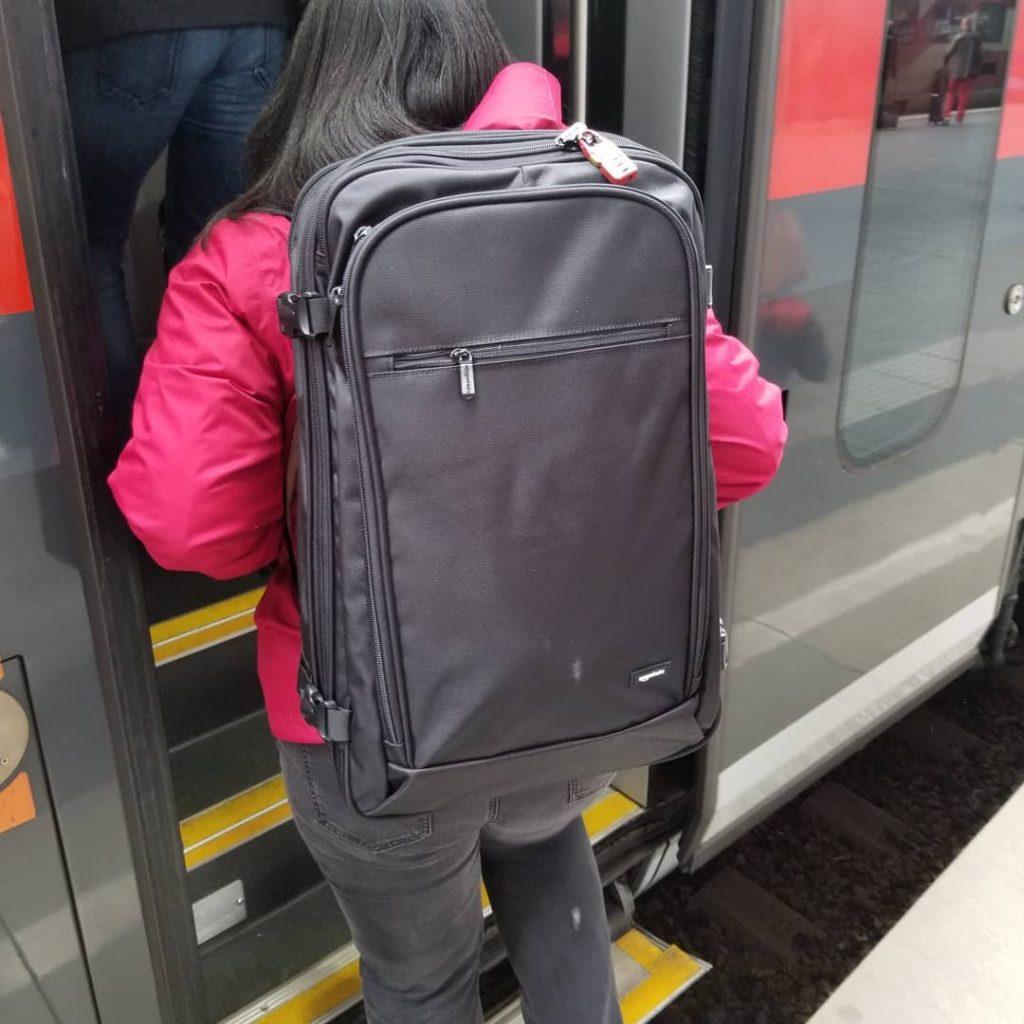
(201, 483)
(963, 64)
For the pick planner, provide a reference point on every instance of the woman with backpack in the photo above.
(202, 484)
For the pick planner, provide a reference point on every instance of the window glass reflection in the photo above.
(937, 124)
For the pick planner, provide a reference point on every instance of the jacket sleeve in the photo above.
(201, 481)
(748, 433)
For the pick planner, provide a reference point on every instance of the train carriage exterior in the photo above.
(149, 870)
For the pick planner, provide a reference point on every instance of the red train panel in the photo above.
(1011, 134)
(829, 62)
(15, 293)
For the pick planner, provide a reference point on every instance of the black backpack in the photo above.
(506, 531)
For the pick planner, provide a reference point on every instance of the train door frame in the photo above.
(741, 113)
(735, 156)
(137, 935)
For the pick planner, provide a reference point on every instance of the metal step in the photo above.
(208, 690)
(331, 977)
(649, 975)
(274, 940)
(250, 839)
(265, 873)
(206, 667)
(168, 594)
(222, 763)
(272, 955)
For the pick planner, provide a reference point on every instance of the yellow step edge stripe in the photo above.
(328, 997)
(669, 971)
(610, 812)
(318, 994)
(234, 821)
(640, 949)
(185, 634)
(248, 814)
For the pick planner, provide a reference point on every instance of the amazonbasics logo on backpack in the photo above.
(506, 532)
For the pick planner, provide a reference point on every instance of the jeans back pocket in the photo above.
(140, 69)
(316, 777)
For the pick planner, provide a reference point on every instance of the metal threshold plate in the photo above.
(648, 976)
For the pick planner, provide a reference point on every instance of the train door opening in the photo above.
(222, 907)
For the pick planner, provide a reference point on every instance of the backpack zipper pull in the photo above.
(463, 358)
(604, 154)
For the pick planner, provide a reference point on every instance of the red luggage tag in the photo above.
(607, 158)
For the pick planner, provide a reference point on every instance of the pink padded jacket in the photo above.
(201, 480)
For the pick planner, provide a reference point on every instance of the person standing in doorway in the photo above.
(143, 76)
(202, 484)
(963, 64)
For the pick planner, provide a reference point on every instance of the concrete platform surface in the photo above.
(957, 956)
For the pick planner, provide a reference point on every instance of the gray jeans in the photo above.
(410, 889)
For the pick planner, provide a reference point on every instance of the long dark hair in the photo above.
(363, 72)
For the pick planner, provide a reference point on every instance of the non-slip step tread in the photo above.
(267, 956)
(649, 975)
(206, 666)
(668, 973)
(220, 764)
(267, 874)
(168, 594)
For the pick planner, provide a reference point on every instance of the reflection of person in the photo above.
(789, 334)
(963, 63)
(142, 77)
(202, 483)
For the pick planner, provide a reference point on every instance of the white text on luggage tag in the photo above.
(607, 158)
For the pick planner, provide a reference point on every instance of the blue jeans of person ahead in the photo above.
(409, 887)
(195, 92)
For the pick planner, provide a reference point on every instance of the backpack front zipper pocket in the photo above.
(466, 359)
(563, 478)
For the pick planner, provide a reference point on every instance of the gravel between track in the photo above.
(941, 773)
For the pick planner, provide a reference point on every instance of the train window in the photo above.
(933, 155)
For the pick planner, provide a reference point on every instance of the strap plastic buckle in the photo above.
(304, 315)
(327, 717)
